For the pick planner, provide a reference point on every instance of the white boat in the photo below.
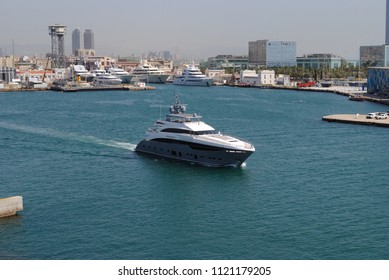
(147, 73)
(98, 72)
(185, 137)
(121, 74)
(79, 73)
(191, 76)
(107, 79)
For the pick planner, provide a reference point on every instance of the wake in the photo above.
(67, 136)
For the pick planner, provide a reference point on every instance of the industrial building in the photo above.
(7, 74)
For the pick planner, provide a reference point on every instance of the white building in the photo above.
(249, 77)
(283, 80)
(212, 73)
(267, 77)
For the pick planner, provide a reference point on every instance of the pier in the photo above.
(10, 205)
(100, 88)
(356, 119)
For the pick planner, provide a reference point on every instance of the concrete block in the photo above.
(10, 205)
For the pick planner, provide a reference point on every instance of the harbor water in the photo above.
(312, 189)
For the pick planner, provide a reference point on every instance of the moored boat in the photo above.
(147, 73)
(192, 76)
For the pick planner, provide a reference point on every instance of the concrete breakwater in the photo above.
(10, 205)
(356, 119)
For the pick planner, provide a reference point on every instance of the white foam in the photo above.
(68, 136)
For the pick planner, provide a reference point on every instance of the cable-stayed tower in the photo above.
(57, 33)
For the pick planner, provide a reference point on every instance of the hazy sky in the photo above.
(195, 28)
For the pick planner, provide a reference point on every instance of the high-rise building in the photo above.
(272, 53)
(76, 40)
(89, 39)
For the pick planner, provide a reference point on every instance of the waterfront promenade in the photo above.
(342, 90)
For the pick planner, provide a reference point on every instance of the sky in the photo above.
(195, 29)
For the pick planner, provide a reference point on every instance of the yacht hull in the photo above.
(193, 153)
(153, 79)
(206, 83)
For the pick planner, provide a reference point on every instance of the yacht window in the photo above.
(176, 130)
(206, 132)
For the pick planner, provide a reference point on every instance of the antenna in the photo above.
(13, 53)
(160, 109)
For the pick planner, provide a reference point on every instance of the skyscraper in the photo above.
(76, 40)
(89, 39)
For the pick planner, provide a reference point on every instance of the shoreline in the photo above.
(339, 90)
(125, 87)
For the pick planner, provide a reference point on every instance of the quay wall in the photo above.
(356, 119)
(10, 205)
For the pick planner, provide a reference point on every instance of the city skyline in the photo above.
(200, 29)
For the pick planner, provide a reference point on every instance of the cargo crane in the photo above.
(44, 73)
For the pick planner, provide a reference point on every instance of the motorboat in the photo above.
(147, 73)
(192, 76)
(185, 137)
(356, 97)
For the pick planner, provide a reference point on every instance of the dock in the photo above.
(100, 88)
(356, 119)
(10, 205)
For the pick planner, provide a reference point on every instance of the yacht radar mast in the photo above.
(177, 108)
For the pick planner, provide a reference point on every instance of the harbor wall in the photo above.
(10, 205)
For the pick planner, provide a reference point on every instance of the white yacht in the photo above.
(186, 138)
(79, 73)
(107, 79)
(121, 74)
(98, 72)
(191, 76)
(147, 73)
